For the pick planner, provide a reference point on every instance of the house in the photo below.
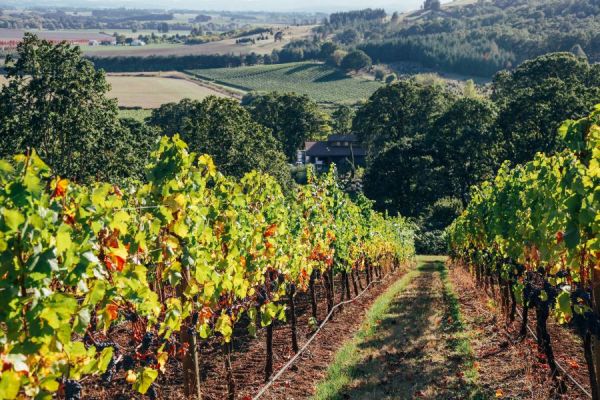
(345, 151)
(138, 42)
(93, 43)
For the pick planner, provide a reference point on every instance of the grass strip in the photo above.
(339, 373)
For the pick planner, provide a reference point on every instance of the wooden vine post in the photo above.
(594, 340)
(313, 295)
(191, 368)
(293, 322)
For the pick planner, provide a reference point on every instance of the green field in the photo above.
(138, 115)
(321, 82)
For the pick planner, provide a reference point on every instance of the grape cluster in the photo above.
(147, 341)
(72, 390)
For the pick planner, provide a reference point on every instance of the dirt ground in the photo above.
(509, 368)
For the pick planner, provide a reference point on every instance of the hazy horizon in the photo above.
(235, 5)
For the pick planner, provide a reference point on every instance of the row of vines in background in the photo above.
(534, 232)
(180, 259)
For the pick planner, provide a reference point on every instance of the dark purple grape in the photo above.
(72, 390)
(147, 341)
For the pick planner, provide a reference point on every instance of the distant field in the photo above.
(71, 35)
(227, 46)
(153, 91)
(139, 115)
(320, 82)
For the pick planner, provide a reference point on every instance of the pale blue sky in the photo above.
(258, 5)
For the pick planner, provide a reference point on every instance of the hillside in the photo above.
(320, 82)
(478, 39)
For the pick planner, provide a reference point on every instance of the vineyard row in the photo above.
(179, 260)
(534, 232)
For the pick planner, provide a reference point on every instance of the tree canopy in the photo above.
(226, 131)
(292, 118)
(55, 102)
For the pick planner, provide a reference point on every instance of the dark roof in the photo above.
(342, 138)
(323, 149)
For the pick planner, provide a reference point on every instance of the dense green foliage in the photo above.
(480, 39)
(537, 96)
(425, 143)
(226, 131)
(189, 251)
(55, 102)
(356, 60)
(292, 118)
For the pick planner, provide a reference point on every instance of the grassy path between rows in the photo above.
(412, 344)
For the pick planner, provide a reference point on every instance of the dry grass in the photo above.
(227, 46)
(153, 91)
(3, 80)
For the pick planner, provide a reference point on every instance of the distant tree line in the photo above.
(477, 39)
(348, 17)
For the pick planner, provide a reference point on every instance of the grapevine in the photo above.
(534, 232)
(177, 260)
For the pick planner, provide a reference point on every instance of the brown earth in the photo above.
(509, 368)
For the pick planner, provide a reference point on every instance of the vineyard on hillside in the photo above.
(534, 233)
(320, 82)
(179, 260)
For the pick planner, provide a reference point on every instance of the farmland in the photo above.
(152, 90)
(321, 82)
(226, 46)
(75, 36)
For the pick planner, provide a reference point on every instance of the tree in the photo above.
(401, 112)
(348, 36)
(225, 130)
(379, 74)
(434, 5)
(292, 118)
(538, 96)
(130, 147)
(163, 27)
(399, 180)
(356, 60)
(391, 78)
(466, 145)
(341, 120)
(55, 103)
(327, 50)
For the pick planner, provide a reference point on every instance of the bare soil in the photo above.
(510, 368)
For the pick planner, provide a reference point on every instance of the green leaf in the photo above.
(145, 379)
(105, 357)
(13, 219)
(63, 239)
(97, 293)
(223, 326)
(563, 300)
(10, 383)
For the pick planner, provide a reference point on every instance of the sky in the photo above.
(233, 5)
